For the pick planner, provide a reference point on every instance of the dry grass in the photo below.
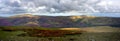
(75, 29)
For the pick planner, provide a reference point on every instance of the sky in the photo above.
(109, 8)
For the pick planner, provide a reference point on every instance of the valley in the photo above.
(59, 28)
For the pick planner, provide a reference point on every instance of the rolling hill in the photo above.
(59, 21)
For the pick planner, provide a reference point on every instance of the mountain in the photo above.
(4, 22)
(60, 21)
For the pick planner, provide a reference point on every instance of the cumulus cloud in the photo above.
(57, 6)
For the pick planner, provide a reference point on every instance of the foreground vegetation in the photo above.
(56, 34)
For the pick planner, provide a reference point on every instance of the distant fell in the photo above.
(61, 21)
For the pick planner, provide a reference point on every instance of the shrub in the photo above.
(50, 33)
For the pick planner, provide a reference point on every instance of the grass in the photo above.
(6, 34)
(108, 36)
(85, 36)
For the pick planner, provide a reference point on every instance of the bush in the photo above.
(50, 33)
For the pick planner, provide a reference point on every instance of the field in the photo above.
(80, 34)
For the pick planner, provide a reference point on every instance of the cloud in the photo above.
(57, 6)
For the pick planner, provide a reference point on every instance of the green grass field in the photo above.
(85, 36)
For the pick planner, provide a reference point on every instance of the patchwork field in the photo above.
(63, 34)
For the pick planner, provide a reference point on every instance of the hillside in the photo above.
(59, 21)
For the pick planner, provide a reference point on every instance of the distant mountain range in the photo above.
(58, 21)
